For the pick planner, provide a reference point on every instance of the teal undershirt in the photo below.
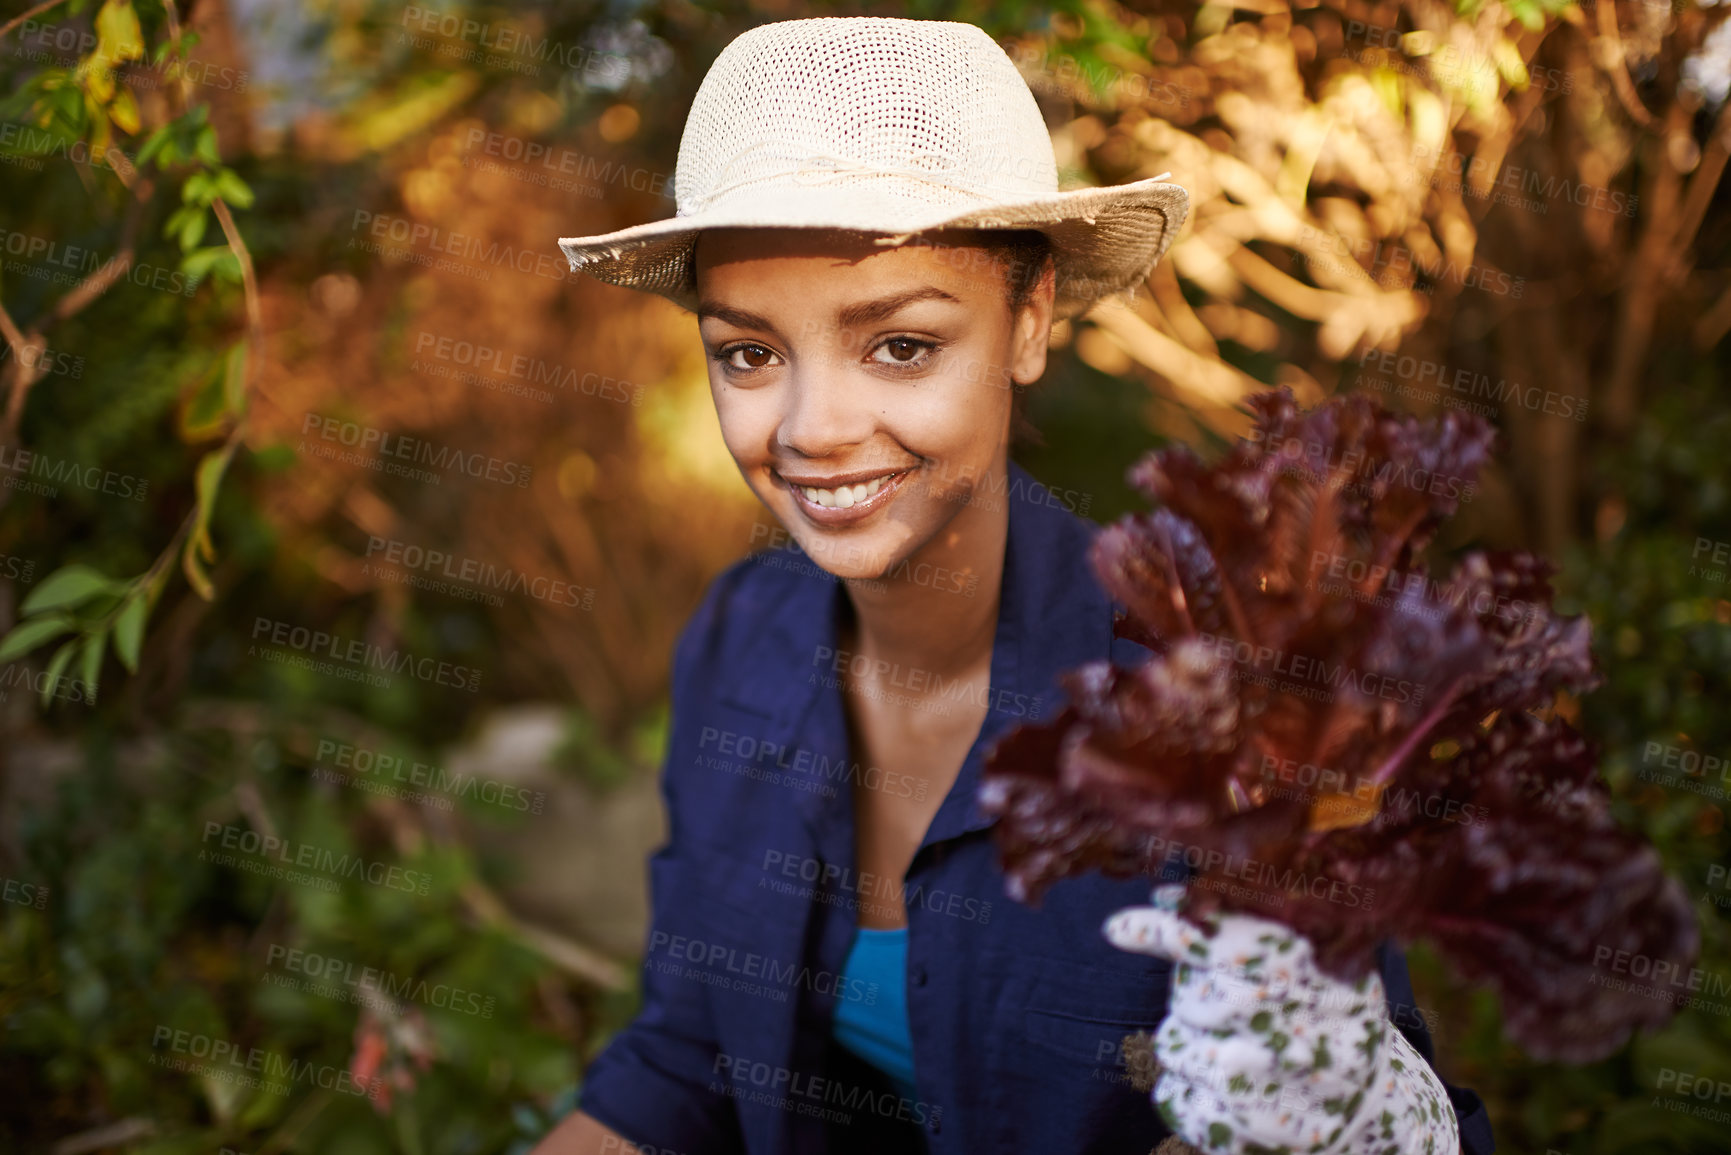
(877, 1031)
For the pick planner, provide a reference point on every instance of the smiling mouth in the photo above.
(846, 501)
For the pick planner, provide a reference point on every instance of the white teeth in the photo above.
(844, 496)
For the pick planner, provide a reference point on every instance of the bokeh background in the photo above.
(296, 382)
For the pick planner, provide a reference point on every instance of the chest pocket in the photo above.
(1082, 1013)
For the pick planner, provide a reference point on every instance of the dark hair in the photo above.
(1024, 255)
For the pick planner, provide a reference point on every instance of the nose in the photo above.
(823, 413)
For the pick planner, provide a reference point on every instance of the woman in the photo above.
(871, 236)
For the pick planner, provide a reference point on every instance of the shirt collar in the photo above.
(1052, 616)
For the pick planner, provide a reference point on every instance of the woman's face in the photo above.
(864, 391)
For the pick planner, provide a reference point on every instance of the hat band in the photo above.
(829, 167)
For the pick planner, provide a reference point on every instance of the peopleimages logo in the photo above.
(845, 664)
(1320, 459)
(1299, 668)
(304, 856)
(782, 1087)
(484, 577)
(42, 469)
(508, 47)
(401, 447)
(591, 172)
(1263, 880)
(779, 977)
(1469, 383)
(371, 768)
(63, 44)
(356, 653)
(44, 259)
(1513, 180)
(464, 249)
(1393, 258)
(44, 360)
(31, 894)
(534, 370)
(836, 885)
(229, 1061)
(807, 769)
(333, 977)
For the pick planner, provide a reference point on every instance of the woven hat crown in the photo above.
(884, 126)
(927, 113)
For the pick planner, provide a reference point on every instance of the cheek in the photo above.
(746, 428)
(967, 419)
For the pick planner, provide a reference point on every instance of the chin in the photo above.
(848, 557)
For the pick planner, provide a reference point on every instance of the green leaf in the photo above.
(198, 543)
(91, 667)
(209, 479)
(177, 219)
(118, 34)
(203, 414)
(68, 587)
(207, 145)
(26, 636)
(232, 189)
(199, 263)
(227, 267)
(1526, 12)
(181, 220)
(62, 658)
(192, 231)
(159, 141)
(129, 631)
(123, 111)
(198, 189)
(195, 574)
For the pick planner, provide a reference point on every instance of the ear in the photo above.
(1033, 330)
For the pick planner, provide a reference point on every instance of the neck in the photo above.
(921, 615)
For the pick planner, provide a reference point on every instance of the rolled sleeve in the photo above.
(653, 1082)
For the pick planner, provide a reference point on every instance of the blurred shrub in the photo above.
(1346, 164)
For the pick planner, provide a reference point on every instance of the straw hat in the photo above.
(881, 125)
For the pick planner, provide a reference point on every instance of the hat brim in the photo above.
(1103, 239)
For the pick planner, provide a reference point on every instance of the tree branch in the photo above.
(31, 14)
(1618, 69)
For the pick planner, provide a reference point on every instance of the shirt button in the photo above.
(919, 976)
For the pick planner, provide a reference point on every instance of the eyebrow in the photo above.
(738, 318)
(870, 312)
(850, 317)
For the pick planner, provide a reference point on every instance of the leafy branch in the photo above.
(89, 102)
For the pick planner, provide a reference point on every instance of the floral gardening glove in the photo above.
(1260, 1051)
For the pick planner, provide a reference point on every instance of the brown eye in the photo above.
(902, 351)
(749, 357)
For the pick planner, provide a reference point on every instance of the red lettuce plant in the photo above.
(1338, 741)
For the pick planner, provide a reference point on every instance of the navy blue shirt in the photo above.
(1017, 1013)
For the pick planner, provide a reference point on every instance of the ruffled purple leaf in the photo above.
(1348, 744)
